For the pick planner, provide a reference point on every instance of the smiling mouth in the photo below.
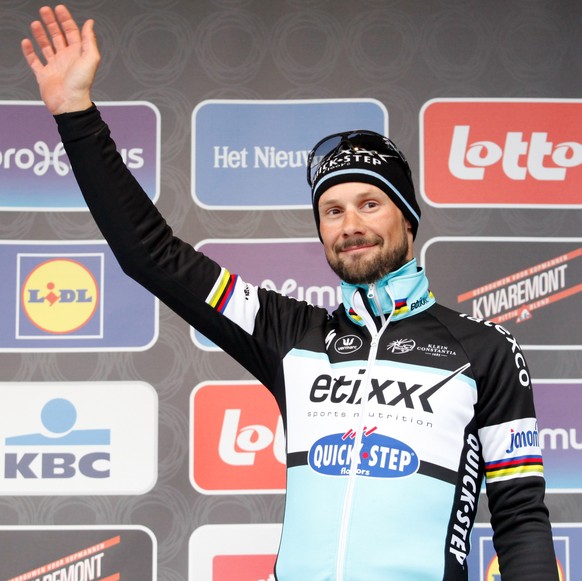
(355, 246)
(356, 249)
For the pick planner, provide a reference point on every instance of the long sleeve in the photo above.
(191, 284)
(513, 463)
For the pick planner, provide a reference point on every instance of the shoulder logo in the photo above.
(348, 344)
(401, 346)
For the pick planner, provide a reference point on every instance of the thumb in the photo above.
(89, 41)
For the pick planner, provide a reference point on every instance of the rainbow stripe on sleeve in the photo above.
(514, 468)
(222, 290)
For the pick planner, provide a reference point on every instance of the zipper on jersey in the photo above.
(355, 459)
(373, 298)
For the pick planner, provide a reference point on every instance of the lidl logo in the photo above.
(238, 443)
(60, 295)
(71, 296)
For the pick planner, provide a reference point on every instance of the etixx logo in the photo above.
(379, 456)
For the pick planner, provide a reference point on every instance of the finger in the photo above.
(68, 24)
(49, 19)
(30, 55)
(89, 40)
(42, 40)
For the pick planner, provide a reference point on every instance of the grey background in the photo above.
(176, 53)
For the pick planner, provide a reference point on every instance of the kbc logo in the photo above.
(237, 439)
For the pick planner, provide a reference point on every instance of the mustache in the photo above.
(354, 242)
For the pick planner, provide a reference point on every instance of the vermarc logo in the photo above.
(348, 344)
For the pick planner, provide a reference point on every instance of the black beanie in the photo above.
(388, 173)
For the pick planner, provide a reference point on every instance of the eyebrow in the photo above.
(359, 196)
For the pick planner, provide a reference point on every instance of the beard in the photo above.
(365, 270)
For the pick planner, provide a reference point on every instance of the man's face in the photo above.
(364, 234)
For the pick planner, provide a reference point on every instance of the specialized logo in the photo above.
(401, 346)
(379, 456)
(348, 344)
(238, 443)
(501, 152)
(516, 296)
(60, 296)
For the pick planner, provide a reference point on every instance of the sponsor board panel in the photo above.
(51, 553)
(36, 174)
(531, 286)
(78, 438)
(248, 549)
(253, 154)
(71, 296)
(237, 443)
(293, 267)
(558, 404)
(504, 153)
(484, 566)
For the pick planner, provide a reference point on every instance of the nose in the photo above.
(353, 224)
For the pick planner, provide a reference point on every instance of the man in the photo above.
(386, 445)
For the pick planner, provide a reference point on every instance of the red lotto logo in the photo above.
(238, 442)
(504, 153)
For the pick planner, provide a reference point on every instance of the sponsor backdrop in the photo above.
(130, 447)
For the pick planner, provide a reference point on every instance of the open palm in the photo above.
(67, 61)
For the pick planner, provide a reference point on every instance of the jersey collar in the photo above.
(401, 293)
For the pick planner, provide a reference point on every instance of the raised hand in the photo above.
(67, 61)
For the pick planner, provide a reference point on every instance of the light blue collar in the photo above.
(401, 293)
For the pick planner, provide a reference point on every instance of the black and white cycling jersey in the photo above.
(394, 406)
